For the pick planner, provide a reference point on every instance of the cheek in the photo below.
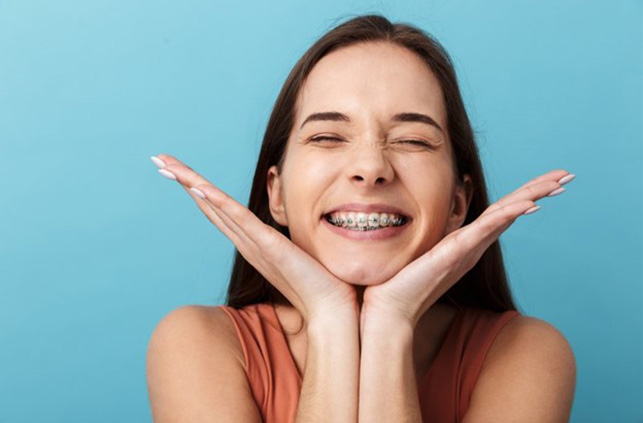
(433, 205)
(303, 197)
(434, 233)
(306, 181)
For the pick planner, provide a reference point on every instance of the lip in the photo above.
(368, 208)
(380, 234)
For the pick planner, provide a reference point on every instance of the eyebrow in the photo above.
(400, 117)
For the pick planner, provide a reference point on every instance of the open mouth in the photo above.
(363, 222)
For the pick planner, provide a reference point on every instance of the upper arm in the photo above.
(195, 370)
(529, 375)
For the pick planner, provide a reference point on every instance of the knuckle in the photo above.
(487, 224)
(166, 158)
(272, 243)
(546, 187)
(534, 189)
(453, 251)
(202, 187)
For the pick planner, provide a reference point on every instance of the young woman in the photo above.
(369, 283)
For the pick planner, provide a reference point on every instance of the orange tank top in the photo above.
(444, 392)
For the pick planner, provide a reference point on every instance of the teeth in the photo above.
(349, 221)
(373, 220)
(365, 221)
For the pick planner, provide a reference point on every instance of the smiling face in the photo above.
(382, 153)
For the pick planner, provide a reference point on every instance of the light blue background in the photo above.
(96, 247)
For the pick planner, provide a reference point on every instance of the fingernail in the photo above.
(158, 162)
(198, 193)
(532, 210)
(167, 174)
(556, 192)
(566, 179)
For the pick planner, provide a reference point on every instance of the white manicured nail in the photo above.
(198, 193)
(158, 162)
(167, 174)
(532, 210)
(556, 192)
(566, 179)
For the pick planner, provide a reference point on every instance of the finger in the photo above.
(188, 178)
(535, 189)
(237, 216)
(486, 229)
(554, 175)
(269, 251)
(261, 240)
(184, 174)
(246, 246)
(532, 192)
(463, 248)
(458, 252)
(245, 224)
(215, 218)
(263, 236)
(162, 160)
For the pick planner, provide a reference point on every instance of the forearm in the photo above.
(387, 386)
(330, 382)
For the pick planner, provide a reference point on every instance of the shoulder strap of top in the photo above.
(478, 331)
(446, 391)
(249, 332)
(268, 361)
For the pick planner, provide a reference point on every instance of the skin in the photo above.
(396, 279)
(372, 164)
(394, 282)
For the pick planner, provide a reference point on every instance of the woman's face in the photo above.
(370, 164)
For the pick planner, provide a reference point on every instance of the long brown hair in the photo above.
(485, 285)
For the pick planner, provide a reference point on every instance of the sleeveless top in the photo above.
(444, 391)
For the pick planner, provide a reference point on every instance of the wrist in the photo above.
(387, 337)
(382, 315)
(387, 324)
(333, 323)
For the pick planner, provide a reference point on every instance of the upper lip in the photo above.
(367, 208)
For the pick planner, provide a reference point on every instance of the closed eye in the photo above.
(335, 139)
(415, 142)
(322, 138)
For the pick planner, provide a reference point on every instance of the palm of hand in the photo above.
(307, 284)
(417, 286)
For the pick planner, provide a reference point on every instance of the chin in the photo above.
(363, 274)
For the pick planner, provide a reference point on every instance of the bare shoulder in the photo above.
(529, 375)
(196, 369)
(200, 327)
(525, 336)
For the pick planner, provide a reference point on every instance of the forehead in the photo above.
(372, 79)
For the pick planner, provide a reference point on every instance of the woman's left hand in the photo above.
(414, 289)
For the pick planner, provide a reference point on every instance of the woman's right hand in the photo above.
(306, 283)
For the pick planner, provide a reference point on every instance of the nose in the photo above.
(369, 166)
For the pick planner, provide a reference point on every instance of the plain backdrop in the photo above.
(96, 247)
